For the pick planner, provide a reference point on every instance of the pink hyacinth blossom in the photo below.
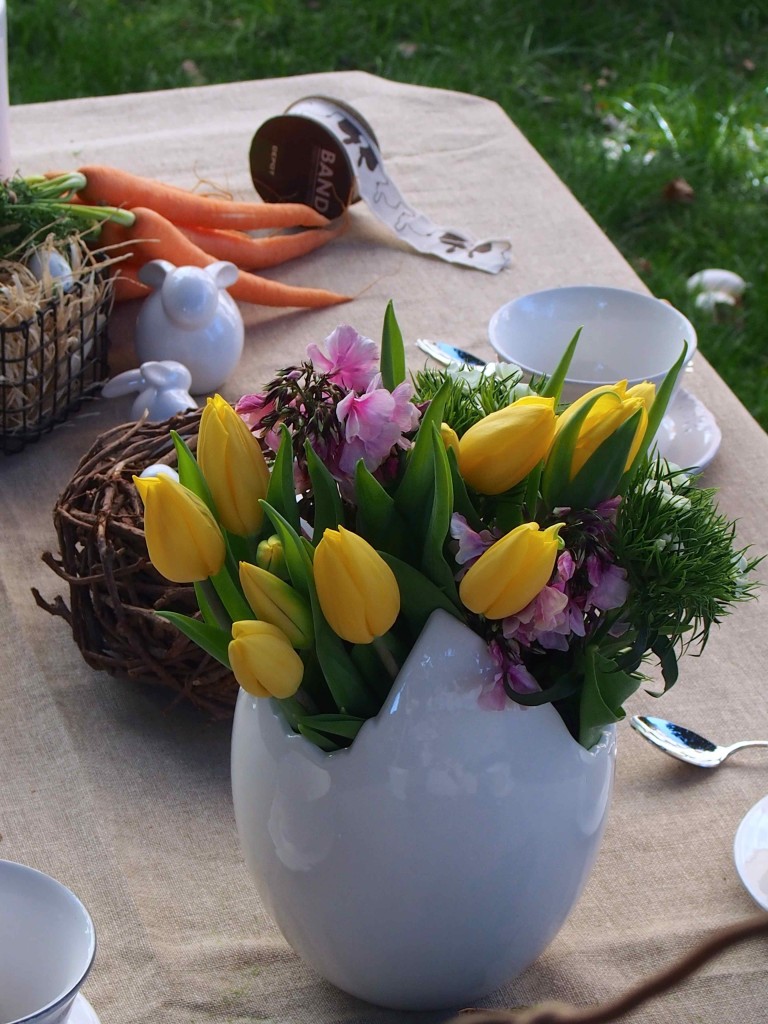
(374, 423)
(352, 360)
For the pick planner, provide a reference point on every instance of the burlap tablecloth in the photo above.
(130, 805)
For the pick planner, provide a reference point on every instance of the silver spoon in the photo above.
(686, 745)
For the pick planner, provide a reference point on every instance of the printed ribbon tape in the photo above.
(322, 152)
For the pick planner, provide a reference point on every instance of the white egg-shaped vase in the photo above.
(436, 858)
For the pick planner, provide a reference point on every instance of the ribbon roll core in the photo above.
(323, 153)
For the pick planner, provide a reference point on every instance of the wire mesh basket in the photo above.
(53, 358)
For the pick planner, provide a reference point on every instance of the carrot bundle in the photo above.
(152, 236)
(148, 219)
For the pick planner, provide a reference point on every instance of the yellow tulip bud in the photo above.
(277, 602)
(357, 590)
(183, 539)
(508, 576)
(271, 556)
(233, 466)
(450, 437)
(614, 406)
(263, 661)
(646, 391)
(502, 449)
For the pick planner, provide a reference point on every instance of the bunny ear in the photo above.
(223, 273)
(166, 373)
(155, 272)
(123, 384)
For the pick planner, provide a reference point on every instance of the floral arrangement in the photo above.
(324, 520)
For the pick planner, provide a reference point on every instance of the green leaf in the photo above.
(564, 687)
(419, 597)
(433, 561)
(392, 363)
(329, 511)
(414, 493)
(208, 601)
(347, 686)
(211, 639)
(297, 560)
(664, 649)
(603, 693)
(190, 474)
(231, 596)
(600, 475)
(377, 518)
(656, 414)
(462, 503)
(330, 732)
(281, 493)
(555, 383)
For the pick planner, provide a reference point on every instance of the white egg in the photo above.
(54, 265)
(159, 469)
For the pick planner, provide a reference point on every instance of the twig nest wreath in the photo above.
(114, 591)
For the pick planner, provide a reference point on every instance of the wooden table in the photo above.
(129, 804)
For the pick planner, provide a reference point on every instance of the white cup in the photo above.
(625, 336)
(47, 946)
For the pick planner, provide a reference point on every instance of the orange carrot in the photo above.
(258, 253)
(153, 237)
(114, 187)
(127, 284)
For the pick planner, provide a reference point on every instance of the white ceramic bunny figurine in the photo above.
(192, 319)
(163, 386)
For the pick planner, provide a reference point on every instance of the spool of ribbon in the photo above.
(323, 152)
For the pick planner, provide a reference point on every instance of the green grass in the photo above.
(620, 98)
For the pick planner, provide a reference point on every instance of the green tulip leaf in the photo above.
(656, 414)
(414, 493)
(462, 503)
(329, 511)
(348, 687)
(392, 363)
(433, 561)
(297, 560)
(330, 732)
(281, 493)
(231, 596)
(419, 597)
(604, 690)
(211, 639)
(599, 477)
(377, 518)
(554, 385)
(190, 474)
(557, 470)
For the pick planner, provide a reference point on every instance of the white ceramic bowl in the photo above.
(47, 946)
(625, 335)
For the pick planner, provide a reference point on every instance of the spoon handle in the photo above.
(744, 743)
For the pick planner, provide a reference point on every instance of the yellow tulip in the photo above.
(508, 576)
(614, 406)
(450, 438)
(263, 661)
(271, 556)
(273, 600)
(183, 539)
(234, 468)
(357, 590)
(502, 449)
(646, 391)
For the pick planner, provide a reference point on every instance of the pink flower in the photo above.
(610, 588)
(471, 543)
(493, 697)
(352, 360)
(374, 423)
(253, 408)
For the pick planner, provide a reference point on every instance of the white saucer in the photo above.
(750, 852)
(82, 1012)
(689, 435)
